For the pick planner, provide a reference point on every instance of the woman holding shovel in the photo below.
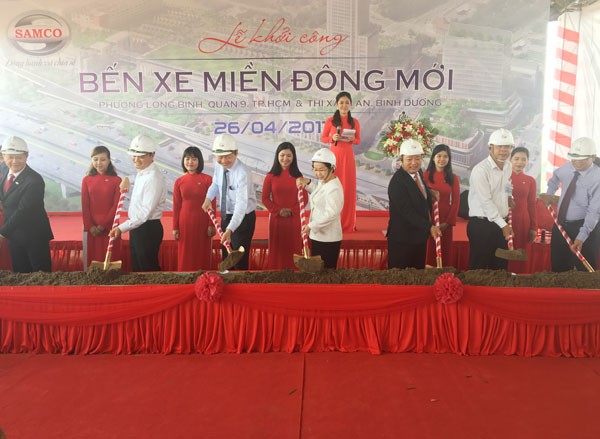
(440, 178)
(327, 200)
(524, 193)
(280, 197)
(99, 199)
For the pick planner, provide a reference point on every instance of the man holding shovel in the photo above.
(232, 183)
(489, 198)
(578, 207)
(145, 208)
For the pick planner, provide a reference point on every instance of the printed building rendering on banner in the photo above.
(78, 74)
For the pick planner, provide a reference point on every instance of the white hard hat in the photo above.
(14, 145)
(224, 144)
(501, 137)
(411, 147)
(582, 147)
(324, 155)
(141, 145)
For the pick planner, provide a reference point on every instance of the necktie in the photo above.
(564, 206)
(224, 193)
(9, 181)
(420, 185)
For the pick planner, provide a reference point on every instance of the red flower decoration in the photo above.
(209, 287)
(448, 289)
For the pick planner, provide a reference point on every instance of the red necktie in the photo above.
(420, 185)
(9, 180)
(564, 206)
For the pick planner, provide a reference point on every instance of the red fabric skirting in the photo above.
(307, 318)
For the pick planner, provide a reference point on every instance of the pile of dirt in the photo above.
(571, 279)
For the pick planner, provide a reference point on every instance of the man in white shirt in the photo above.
(490, 193)
(145, 209)
(232, 184)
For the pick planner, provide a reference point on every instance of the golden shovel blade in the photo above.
(311, 264)
(511, 255)
(232, 258)
(113, 265)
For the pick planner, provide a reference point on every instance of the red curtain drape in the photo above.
(294, 317)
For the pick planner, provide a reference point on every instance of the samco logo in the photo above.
(39, 33)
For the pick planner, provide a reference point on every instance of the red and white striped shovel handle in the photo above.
(438, 240)
(213, 218)
(116, 220)
(575, 250)
(511, 245)
(302, 220)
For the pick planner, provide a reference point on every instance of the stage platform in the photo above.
(171, 319)
(367, 247)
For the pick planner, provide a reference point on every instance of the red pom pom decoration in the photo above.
(209, 287)
(448, 289)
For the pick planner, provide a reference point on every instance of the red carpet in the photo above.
(318, 395)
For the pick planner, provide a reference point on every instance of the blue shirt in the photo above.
(241, 196)
(585, 201)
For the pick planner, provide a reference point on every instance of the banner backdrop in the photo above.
(76, 74)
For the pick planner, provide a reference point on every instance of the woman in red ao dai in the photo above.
(439, 177)
(524, 218)
(192, 228)
(99, 199)
(280, 197)
(343, 149)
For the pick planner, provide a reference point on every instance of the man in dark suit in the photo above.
(410, 205)
(26, 225)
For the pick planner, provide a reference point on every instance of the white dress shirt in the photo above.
(489, 189)
(241, 196)
(148, 198)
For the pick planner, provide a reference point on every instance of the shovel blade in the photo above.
(511, 255)
(114, 265)
(313, 264)
(232, 258)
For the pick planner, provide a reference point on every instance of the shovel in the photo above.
(306, 262)
(233, 256)
(575, 251)
(107, 264)
(511, 254)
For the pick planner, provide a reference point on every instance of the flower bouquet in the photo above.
(406, 128)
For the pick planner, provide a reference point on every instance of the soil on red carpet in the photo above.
(571, 279)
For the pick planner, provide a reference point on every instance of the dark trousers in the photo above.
(144, 243)
(484, 238)
(561, 255)
(241, 237)
(29, 258)
(329, 252)
(402, 255)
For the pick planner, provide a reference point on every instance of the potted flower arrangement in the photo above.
(406, 128)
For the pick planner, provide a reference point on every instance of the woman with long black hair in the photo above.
(440, 178)
(341, 132)
(280, 197)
